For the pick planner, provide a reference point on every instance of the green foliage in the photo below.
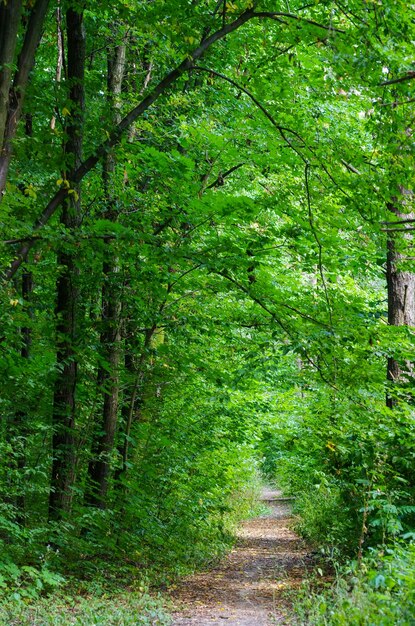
(380, 591)
(130, 609)
(224, 290)
(350, 476)
(26, 582)
(325, 518)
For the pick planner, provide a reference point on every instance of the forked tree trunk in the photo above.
(13, 88)
(67, 306)
(10, 14)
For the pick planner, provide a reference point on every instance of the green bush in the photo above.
(323, 517)
(26, 582)
(381, 592)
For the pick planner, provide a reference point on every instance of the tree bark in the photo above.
(401, 300)
(10, 14)
(108, 376)
(64, 403)
(12, 94)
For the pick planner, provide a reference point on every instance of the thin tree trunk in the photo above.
(401, 299)
(21, 429)
(132, 405)
(60, 60)
(64, 405)
(108, 376)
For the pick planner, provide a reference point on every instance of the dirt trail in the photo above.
(245, 589)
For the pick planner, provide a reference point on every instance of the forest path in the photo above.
(245, 588)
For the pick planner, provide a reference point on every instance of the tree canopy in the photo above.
(207, 270)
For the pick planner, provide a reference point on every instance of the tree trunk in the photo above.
(64, 404)
(10, 14)
(401, 297)
(12, 93)
(27, 288)
(132, 405)
(108, 376)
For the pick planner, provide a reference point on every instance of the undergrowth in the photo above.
(378, 591)
(83, 588)
(126, 609)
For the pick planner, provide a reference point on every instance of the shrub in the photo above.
(380, 592)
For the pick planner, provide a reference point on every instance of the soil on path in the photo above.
(246, 588)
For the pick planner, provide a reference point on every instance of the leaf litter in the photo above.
(249, 587)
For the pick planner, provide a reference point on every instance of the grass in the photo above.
(122, 609)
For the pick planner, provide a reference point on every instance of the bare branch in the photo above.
(408, 221)
(397, 230)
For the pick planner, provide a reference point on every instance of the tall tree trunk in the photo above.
(10, 14)
(64, 404)
(60, 59)
(108, 376)
(401, 294)
(21, 429)
(12, 92)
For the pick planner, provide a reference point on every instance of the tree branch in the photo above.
(398, 230)
(298, 18)
(78, 174)
(188, 63)
(318, 242)
(408, 76)
(263, 306)
(408, 221)
(219, 180)
(267, 114)
(281, 129)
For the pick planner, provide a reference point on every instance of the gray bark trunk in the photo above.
(401, 298)
(100, 466)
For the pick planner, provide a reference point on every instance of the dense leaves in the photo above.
(198, 216)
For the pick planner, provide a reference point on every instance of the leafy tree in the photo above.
(207, 284)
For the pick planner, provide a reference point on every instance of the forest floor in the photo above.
(252, 585)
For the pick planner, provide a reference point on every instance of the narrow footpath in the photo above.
(247, 587)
